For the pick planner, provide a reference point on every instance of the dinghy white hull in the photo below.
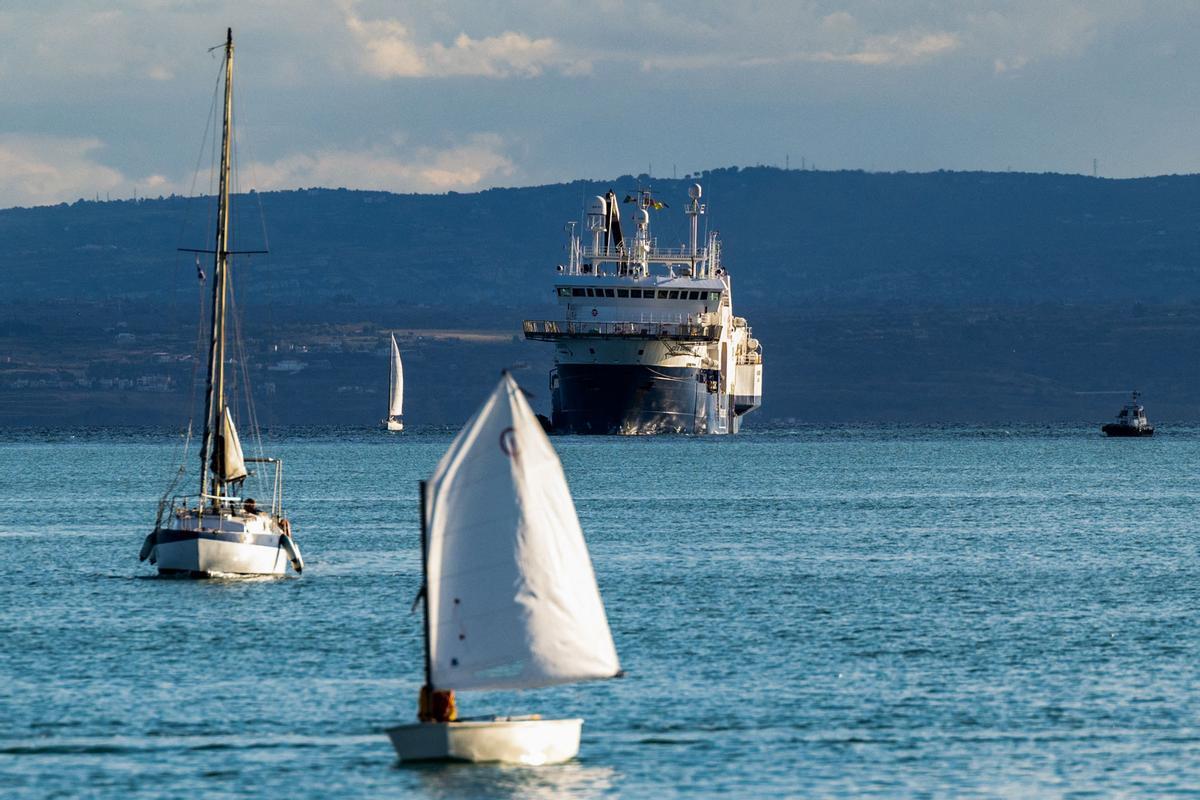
(393, 424)
(513, 740)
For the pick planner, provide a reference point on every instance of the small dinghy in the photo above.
(510, 598)
(395, 417)
(1131, 421)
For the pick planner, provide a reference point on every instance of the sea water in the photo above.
(862, 612)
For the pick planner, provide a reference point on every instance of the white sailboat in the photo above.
(510, 597)
(395, 417)
(217, 532)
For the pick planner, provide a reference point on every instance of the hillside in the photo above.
(849, 238)
(906, 297)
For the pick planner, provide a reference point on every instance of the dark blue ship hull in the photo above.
(629, 399)
(1114, 429)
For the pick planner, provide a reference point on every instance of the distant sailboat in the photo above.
(395, 417)
(510, 598)
(216, 532)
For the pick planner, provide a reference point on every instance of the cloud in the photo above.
(41, 170)
(387, 49)
(1028, 32)
(893, 50)
(477, 163)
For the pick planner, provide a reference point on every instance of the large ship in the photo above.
(646, 340)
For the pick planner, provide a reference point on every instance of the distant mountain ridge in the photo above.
(947, 296)
(791, 237)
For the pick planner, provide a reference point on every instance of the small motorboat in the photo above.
(1131, 421)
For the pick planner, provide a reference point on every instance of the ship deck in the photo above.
(553, 330)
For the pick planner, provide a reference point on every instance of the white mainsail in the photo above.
(234, 465)
(511, 595)
(396, 399)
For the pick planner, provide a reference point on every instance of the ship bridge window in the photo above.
(662, 294)
(564, 291)
(635, 292)
(693, 296)
(607, 293)
(591, 292)
(577, 292)
(622, 293)
(714, 297)
(674, 295)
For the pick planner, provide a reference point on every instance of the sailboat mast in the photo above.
(214, 398)
(425, 587)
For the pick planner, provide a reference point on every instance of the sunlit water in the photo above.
(862, 612)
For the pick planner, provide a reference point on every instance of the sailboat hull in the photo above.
(230, 547)
(393, 425)
(512, 740)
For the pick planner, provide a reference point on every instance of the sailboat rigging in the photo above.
(216, 532)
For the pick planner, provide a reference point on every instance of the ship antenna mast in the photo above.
(694, 209)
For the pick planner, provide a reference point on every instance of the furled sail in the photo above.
(233, 466)
(396, 400)
(511, 595)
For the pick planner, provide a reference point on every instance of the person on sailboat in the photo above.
(437, 705)
(249, 506)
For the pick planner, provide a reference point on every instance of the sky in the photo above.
(110, 99)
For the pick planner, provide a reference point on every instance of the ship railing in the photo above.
(750, 358)
(551, 330)
(681, 252)
(655, 255)
(183, 504)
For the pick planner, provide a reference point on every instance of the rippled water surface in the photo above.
(852, 613)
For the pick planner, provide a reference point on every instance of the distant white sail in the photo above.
(396, 400)
(234, 466)
(512, 597)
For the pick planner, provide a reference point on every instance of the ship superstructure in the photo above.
(646, 340)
